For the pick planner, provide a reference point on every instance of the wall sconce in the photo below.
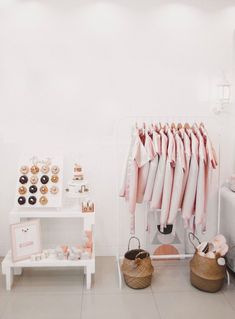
(223, 95)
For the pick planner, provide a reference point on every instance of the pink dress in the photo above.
(159, 180)
(143, 172)
(188, 206)
(201, 182)
(168, 181)
(153, 167)
(179, 174)
(187, 155)
(212, 163)
(138, 157)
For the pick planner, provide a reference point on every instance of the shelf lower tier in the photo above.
(10, 268)
(48, 262)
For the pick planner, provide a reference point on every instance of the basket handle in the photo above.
(133, 237)
(191, 237)
(140, 253)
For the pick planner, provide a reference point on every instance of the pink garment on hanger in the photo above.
(187, 155)
(138, 158)
(212, 163)
(201, 182)
(179, 174)
(159, 179)
(144, 170)
(126, 170)
(153, 167)
(168, 181)
(188, 206)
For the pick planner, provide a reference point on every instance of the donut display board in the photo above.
(40, 182)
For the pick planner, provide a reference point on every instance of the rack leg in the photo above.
(119, 272)
(9, 278)
(228, 278)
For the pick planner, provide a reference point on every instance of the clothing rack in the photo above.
(123, 129)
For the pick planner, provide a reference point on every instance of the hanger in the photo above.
(179, 126)
(187, 126)
(166, 127)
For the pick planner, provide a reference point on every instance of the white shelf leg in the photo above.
(88, 277)
(9, 278)
(18, 271)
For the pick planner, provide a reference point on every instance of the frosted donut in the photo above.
(45, 169)
(44, 179)
(33, 189)
(33, 179)
(43, 189)
(43, 200)
(54, 190)
(23, 179)
(55, 169)
(24, 169)
(34, 169)
(54, 178)
(32, 200)
(22, 190)
(21, 200)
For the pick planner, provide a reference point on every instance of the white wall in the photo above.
(70, 71)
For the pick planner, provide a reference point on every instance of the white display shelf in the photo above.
(10, 268)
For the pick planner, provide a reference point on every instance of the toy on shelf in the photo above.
(65, 252)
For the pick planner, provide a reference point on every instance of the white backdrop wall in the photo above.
(71, 71)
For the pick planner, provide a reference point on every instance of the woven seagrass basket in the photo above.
(205, 273)
(137, 267)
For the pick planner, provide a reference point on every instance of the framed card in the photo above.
(25, 239)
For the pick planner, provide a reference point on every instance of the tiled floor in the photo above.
(61, 294)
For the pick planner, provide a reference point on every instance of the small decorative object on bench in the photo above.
(88, 207)
(137, 267)
(208, 267)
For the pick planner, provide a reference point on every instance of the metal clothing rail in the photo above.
(123, 128)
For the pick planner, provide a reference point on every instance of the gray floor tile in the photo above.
(193, 305)
(106, 279)
(230, 297)
(171, 278)
(49, 306)
(3, 303)
(116, 306)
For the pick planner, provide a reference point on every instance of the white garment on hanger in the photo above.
(188, 206)
(200, 204)
(144, 170)
(168, 180)
(159, 180)
(187, 155)
(138, 158)
(178, 180)
(153, 167)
